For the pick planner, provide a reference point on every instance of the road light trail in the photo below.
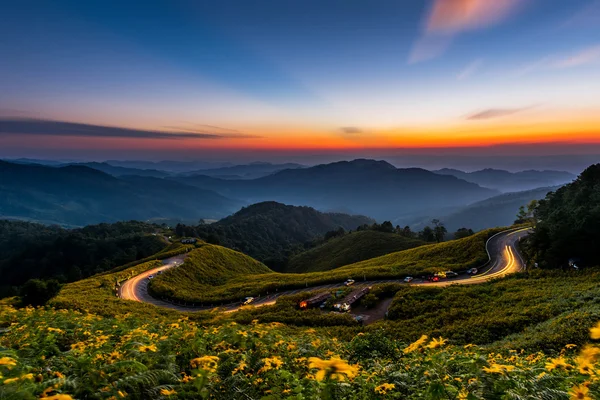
(501, 249)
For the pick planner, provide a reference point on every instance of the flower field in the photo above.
(62, 354)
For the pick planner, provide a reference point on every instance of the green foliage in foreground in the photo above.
(348, 249)
(65, 355)
(191, 287)
(535, 310)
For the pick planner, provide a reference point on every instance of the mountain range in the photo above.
(505, 181)
(367, 187)
(78, 195)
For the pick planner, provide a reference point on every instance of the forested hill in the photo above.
(29, 250)
(567, 224)
(271, 232)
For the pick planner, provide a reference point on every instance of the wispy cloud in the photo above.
(496, 113)
(470, 70)
(26, 126)
(351, 130)
(585, 56)
(448, 18)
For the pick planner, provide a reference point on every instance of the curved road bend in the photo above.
(504, 259)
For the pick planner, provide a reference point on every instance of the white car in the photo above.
(349, 282)
(150, 277)
(248, 300)
(408, 279)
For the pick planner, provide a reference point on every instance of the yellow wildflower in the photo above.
(145, 349)
(580, 393)
(415, 346)
(435, 343)
(8, 362)
(559, 362)
(335, 368)
(384, 388)
(59, 397)
(122, 394)
(274, 362)
(10, 380)
(463, 394)
(239, 368)
(590, 353)
(570, 346)
(207, 363)
(595, 331)
(498, 368)
(166, 392)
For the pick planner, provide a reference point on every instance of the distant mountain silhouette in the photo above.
(367, 187)
(78, 195)
(247, 171)
(506, 181)
(489, 213)
(121, 171)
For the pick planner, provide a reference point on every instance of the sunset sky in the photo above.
(258, 77)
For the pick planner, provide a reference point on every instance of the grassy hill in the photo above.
(204, 268)
(348, 249)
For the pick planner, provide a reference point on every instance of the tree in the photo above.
(386, 227)
(521, 216)
(37, 292)
(463, 233)
(407, 232)
(527, 215)
(439, 230)
(427, 234)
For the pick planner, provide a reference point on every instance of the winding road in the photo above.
(504, 259)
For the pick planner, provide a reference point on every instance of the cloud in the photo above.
(27, 126)
(470, 70)
(351, 130)
(496, 113)
(448, 18)
(586, 56)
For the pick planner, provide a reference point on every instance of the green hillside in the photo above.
(203, 269)
(349, 249)
(191, 286)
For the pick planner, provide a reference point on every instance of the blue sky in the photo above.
(293, 73)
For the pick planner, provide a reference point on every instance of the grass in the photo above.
(538, 310)
(203, 269)
(202, 286)
(348, 249)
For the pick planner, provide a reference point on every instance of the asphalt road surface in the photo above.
(502, 251)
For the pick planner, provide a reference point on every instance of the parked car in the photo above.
(150, 277)
(408, 279)
(349, 282)
(434, 278)
(451, 274)
(159, 272)
(248, 300)
(472, 271)
(440, 274)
